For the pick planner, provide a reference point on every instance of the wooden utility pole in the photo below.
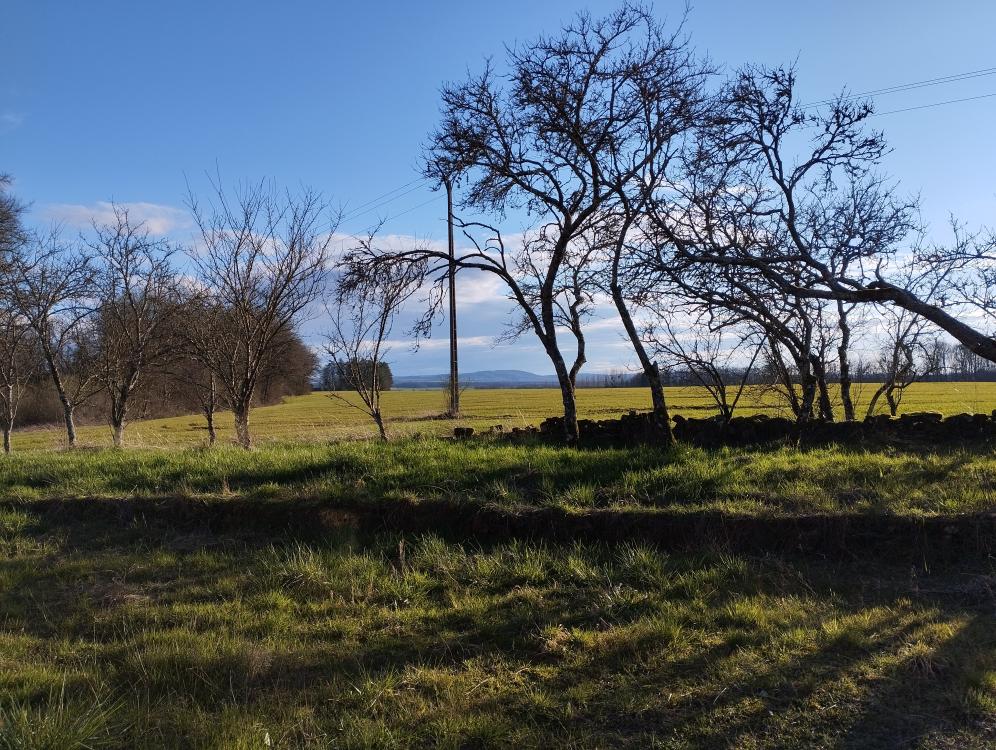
(454, 370)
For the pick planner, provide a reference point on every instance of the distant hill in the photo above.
(480, 379)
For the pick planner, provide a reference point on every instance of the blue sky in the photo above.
(126, 101)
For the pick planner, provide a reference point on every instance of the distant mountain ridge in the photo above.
(481, 378)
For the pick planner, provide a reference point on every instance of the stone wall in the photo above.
(636, 428)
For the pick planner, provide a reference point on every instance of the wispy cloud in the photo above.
(159, 219)
(10, 120)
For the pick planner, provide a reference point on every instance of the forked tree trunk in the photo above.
(120, 398)
(809, 388)
(571, 433)
(823, 390)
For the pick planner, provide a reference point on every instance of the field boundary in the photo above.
(920, 541)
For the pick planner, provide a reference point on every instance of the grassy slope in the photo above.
(317, 417)
(148, 638)
(762, 482)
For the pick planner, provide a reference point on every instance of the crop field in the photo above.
(320, 592)
(317, 417)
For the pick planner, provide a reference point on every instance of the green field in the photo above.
(132, 617)
(316, 417)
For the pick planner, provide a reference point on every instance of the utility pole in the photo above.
(454, 371)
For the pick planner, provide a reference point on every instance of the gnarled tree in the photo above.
(582, 122)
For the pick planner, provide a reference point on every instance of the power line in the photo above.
(898, 88)
(936, 104)
(409, 210)
(383, 200)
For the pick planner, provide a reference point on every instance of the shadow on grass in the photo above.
(587, 656)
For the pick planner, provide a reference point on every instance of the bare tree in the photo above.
(263, 261)
(52, 286)
(19, 361)
(362, 316)
(909, 355)
(12, 234)
(139, 298)
(580, 119)
(720, 361)
(573, 293)
(789, 192)
(200, 383)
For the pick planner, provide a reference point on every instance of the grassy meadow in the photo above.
(130, 626)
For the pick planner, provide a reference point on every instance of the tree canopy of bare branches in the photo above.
(139, 300)
(362, 315)
(262, 261)
(52, 286)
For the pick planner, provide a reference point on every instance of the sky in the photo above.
(134, 101)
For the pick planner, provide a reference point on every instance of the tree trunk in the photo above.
(8, 417)
(212, 433)
(571, 433)
(874, 399)
(844, 363)
(783, 375)
(119, 408)
(67, 415)
(117, 434)
(826, 404)
(662, 418)
(891, 400)
(379, 419)
(67, 405)
(209, 408)
(809, 386)
(242, 435)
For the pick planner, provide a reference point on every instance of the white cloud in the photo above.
(159, 219)
(443, 342)
(479, 288)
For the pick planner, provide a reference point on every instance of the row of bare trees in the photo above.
(719, 216)
(104, 315)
